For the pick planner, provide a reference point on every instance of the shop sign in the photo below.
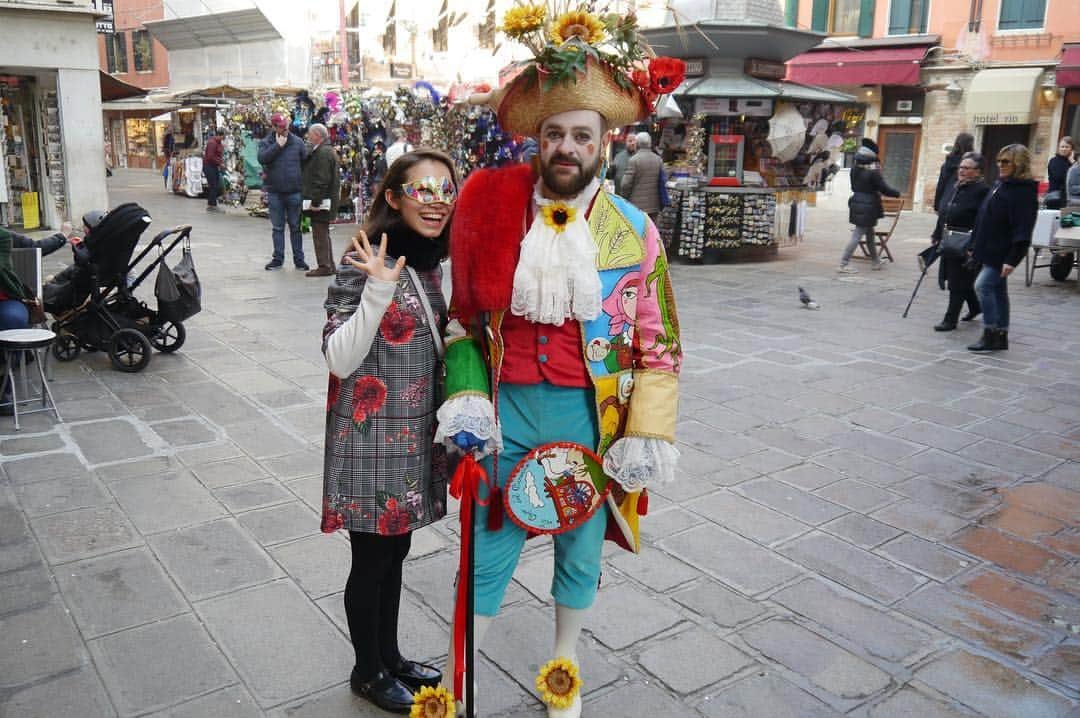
(1001, 118)
(765, 69)
(401, 70)
(726, 107)
(105, 25)
(695, 67)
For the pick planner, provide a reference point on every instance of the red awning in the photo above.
(858, 66)
(1068, 70)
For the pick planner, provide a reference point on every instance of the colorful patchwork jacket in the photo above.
(632, 350)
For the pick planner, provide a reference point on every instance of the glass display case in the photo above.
(725, 168)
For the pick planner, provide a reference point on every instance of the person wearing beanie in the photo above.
(864, 206)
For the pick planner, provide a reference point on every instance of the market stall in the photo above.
(745, 151)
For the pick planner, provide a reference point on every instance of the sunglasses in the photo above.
(431, 190)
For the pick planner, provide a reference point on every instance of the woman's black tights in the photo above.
(372, 598)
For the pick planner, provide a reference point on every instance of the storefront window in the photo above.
(140, 140)
(845, 17)
(143, 50)
(116, 53)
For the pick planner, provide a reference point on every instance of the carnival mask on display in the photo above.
(431, 190)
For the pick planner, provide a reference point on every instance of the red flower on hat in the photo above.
(665, 74)
(369, 395)
(643, 82)
(397, 327)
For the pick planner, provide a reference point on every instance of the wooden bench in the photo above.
(883, 232)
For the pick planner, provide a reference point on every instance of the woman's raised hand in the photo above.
(373, 262)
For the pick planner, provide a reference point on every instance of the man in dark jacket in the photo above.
(641, 181)
(864, 207)
(321, 190)
(282, 154)
(1001, 239)
(213, 160)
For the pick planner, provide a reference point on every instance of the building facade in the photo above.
(50, 113)
(929, 69)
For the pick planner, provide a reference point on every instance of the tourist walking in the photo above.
(864, 206)
(383, 476)
(282, 154)
(959, 207)
(1001, 239)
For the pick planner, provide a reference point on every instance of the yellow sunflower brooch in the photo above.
(523, 19)
(431, 702)
(559, 683)
(577, 23)
(557, 215)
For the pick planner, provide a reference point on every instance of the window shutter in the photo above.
(791, 12)
(820, 18)
(866, 18)
(1011, 13)
(1033, 13)
(899, 17)
(924, 17)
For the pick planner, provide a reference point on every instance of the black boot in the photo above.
(956, 303)
(385, 691)
(1001, 339)
(944, 325)
(974, 308)
(986, 344)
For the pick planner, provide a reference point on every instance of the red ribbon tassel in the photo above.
(465, 487)
(643, 503)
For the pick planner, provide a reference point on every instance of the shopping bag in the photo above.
(178, 290)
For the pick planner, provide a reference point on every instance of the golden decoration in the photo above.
(577, 23)
(431, 702)
(523, 19)
(559, 683)
(557, 215)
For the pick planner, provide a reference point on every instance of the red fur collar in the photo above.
(485, 237)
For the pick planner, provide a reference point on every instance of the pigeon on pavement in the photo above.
(806, 300)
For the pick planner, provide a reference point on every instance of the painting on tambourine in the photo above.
(555, 488)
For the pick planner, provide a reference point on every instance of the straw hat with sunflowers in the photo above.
(582, 60)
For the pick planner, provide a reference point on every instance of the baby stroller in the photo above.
(93, 300)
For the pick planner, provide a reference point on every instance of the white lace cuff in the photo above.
(635, 461)
(471, 413)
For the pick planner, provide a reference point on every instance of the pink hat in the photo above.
(278, 120)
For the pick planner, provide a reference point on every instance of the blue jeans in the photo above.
(531, 415)
(286, 205)
(994, 297)
(13, 315)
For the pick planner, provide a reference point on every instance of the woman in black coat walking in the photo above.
(864, 207)
(963, 144)
(1001, 238)
(959, 207)
(1057, 170)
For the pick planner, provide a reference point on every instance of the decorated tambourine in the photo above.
(555, 488)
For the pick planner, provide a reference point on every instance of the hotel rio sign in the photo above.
(1001, 118)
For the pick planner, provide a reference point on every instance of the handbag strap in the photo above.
(436, 338)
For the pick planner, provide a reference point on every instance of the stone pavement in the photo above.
(869, 521)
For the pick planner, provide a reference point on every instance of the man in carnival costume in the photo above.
(565, 326)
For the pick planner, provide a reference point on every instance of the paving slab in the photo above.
(43, 466)
(280, 523)
(304, 653)
(637, 698)
(996, 547)
(166, 501)
(52, 496)
(73, 694)
(715, 660)
(103, 442)
(857, 495)
(157, 665)
(731, 559)
(786, 499)
(990, 688)
(38, 643)
(749, 519)
(853, 567)
(765, 693)
(910, 703)
(654, 568)
(83, 533)
(925, 557)
(319, 563)
(921, 519)
(625, 615)
(257, 494)
(862, 531)
(233, 702)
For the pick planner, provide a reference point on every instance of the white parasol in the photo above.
(787, 133)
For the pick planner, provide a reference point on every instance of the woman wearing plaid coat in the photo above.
(383, 475)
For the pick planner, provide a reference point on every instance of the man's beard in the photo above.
(568, 187)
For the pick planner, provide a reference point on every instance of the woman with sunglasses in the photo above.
(383, 475)
(959, 205)
(1001, 239)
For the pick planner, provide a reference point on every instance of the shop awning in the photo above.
(1003, 96)
(113, 89)
(138, 105)
(858, 66)
(743, 87)
(214, 29)
(1068, 70)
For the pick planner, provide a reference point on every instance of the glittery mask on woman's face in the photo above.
(431, 190)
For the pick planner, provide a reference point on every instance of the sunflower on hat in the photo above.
(582, 59)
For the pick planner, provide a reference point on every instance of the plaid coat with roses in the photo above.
(382, 472)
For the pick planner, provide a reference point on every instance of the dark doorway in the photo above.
(997, 136)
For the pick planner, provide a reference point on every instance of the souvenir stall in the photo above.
(745, 151)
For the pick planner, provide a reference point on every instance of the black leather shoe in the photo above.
(417, 675)
(970, 315)
(383, 690)
(274, 264)
(945, 327)
(301, 266)
(986, 344)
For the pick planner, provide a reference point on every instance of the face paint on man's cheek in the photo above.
(591, 148)
(544, 145)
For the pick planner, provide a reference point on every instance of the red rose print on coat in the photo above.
(369, 395)
(397, 326)
(332, 519)
(394, 520)
(333, 390)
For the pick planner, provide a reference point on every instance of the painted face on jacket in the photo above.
(571, 145)
(428, 219)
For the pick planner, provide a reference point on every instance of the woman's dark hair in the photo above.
(964, 143)
(977, 158)
(383, 217)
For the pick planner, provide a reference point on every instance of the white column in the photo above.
(79, 98)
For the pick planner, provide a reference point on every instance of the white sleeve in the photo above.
(347, 347)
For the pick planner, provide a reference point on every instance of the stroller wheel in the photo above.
(129, 350)
(169, 337)
(66, 347)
